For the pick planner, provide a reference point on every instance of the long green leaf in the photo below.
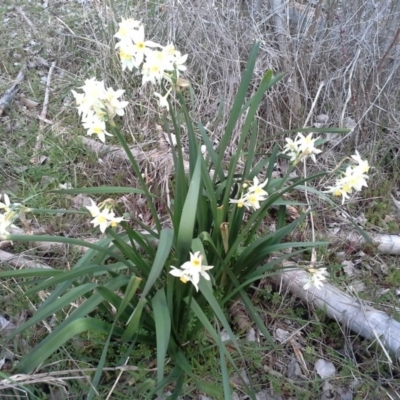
(80, 313)
(134, 321)
(73, 274)
(163, 250)
(212, 301)
(188, 218)
(57, 305)
(47, 347)
(237, 105)
(65, 240)
(100, 190)
(162, 320)
(29, 272)
(138, 173)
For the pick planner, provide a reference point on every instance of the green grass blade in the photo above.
(57, 305)
(100, 190)
(133, 324)
(211, 153)
(212, 301)
(53, 342)
(73, 274)
(162, 320)
(237, 105)
(130, 291)
(224, 370)
(29, 272)
(65, 240)
(163, 251)
(188, 218)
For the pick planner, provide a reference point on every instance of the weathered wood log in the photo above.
(347, 310)
(18, 261)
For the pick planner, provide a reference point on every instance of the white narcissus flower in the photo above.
(292, 149)
(315, 278)
(85, 104)
(163, 100)
(94, 89)
(95, 125)
(338, 191)
(363, 165)
(5, 223)
(354, 178)
(253, 200)
(242, 202)
(307, 146)
(192, 270)
(102, 218)
(6, 205)
(141, 46)
(113, 105)
(127, 56)
(152, 71)
(257, 188)
(127, 28)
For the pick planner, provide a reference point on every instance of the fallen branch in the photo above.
(347, 310)
(18, 261)
(10, 93)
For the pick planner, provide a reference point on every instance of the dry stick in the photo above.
(282, 34)
(367, 110)
(349, 94)
(117, 380)
(380, 65)
(28, 21)
(58, 375)
(39, 138)
(313, 251)
(12, 91)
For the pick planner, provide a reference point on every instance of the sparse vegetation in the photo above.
(345, 55)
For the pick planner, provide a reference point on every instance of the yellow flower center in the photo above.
(101, 219)
(125, 56)
(184, 280)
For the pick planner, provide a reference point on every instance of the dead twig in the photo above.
(10, 93)
(36, 158)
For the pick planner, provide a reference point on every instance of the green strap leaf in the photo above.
(47, 347)
(162, 320)
(163, 251)
(188, 218)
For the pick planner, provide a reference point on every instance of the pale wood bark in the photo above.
(347, 310)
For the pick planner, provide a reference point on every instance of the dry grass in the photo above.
(352, 47)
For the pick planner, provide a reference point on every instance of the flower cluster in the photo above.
(354, 178)
(103, 216)
(155, 62)
(255, 193)
(315, 278)
(301, 148)
(96, 105)
(11, 212)
(191, 270)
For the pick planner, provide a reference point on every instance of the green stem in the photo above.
(138, 173)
